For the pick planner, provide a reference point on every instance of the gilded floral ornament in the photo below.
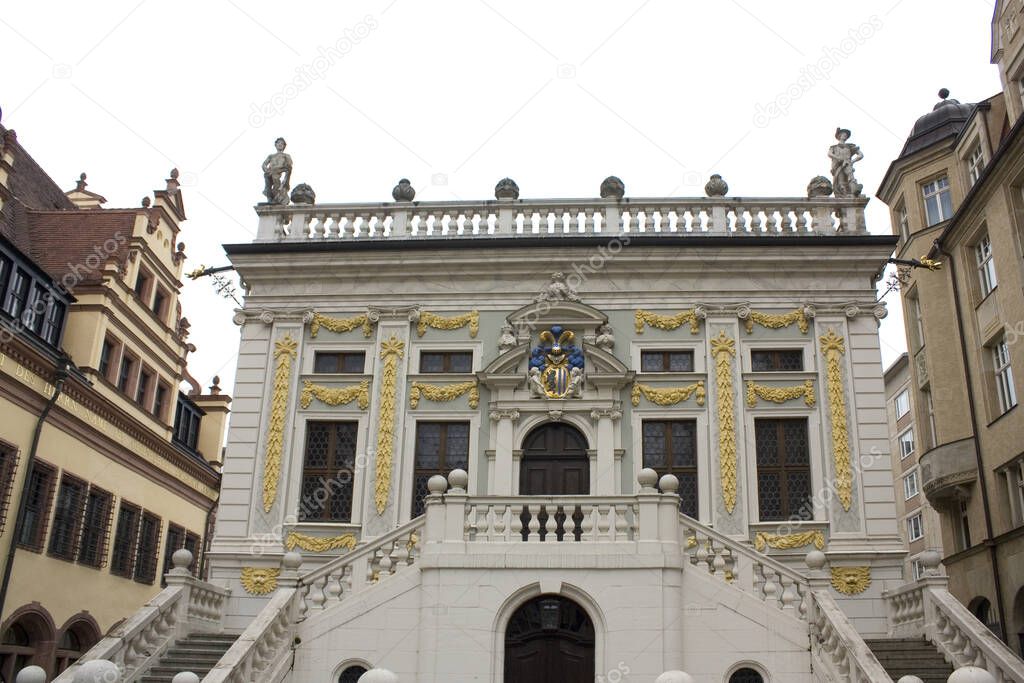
(833, 348)
(438, 322)
(285, 351)
(335, 397)
(851, 580)
(668, 396)
(444, 392)
(391, 352)
(259, 581)
(340, 325)
(790, 541)
(667, 322)
(776, 322)
(780, 394)
(723, 349)
(319, 544)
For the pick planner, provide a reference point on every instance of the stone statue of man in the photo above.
(844, 155)
(277, 174)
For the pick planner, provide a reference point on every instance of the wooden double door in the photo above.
(554, 462)
(550, 640)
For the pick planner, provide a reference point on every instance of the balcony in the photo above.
(947, 471)
(703, 216)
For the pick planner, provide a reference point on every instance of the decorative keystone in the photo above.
(506, 189)
(612, 188)
(647, 478)
(716, 187)
(403, 191)
(459, 480)
(437, 485)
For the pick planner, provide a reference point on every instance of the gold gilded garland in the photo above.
(775, 322)
(851, 580)
(455, 322)
(833, 348)
(723, 349)
(340, 325)
(780, 394)
(335, 397)
(319, 544)
(789, 541)
(667, 322)
(391, 351)
(668, 396)
(285, 351)
(257, 581)
(444, 392)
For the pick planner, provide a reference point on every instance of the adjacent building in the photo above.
(955, 193)
(106, 466)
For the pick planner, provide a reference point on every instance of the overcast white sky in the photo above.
(457, 95)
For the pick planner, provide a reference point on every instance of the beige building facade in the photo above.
(956, 195)
(106, 467)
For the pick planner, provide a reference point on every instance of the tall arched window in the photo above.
(28, 640)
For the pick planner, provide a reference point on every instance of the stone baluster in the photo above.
(317, 597)
(534, 524)
(332, 588)
(587, 524)
(770, 588)
(499, 525)
(789, 593)
(589, 218)
(516, 524)
(740, 224)
(621, 524)
(469, 523)
(603, 523)
(755, 220)
(551, 524)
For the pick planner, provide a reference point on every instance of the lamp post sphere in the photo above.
(909, 679)
(31, 674)
(185, 677)
(674, 677)
(378, 676)
(971, 674)
(97, 671)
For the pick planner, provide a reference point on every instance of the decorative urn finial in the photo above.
(716, 187)
(820, 186)
(613, 188)
(303, 194)
(404, 191)
(506, 189)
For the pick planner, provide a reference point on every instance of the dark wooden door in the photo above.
(549, 640)
(555, 462)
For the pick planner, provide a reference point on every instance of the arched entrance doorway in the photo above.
(555, 462)
(28, 639)
(550, 639)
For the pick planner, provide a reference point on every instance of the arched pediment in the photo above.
(601, 362)
(569, 314)
(508, 362)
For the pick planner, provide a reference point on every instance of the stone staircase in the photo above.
(911, 657)
(198, 653)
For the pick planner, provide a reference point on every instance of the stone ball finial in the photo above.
(404, 191)
(971, 674)
(815, 560)
(931, 559)
(31, 674)
(292, 560)
(909, 679)
(612, 187)
(97, 671)
(943, 93)
(674, 677)
(174, 173)
(459, 479)
(437, 485)
(647, 478)
(716, 187)
(669, 483)
(185, 677)
(820, 186)
(181, 559)
(146, 201)
(506, 189)
(378, 676)
(303, 194)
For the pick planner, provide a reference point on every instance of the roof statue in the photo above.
(844, 155)
(277, 174)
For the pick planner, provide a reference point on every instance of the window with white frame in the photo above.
(917, 320)
(938, 203)
(906, 440)
(975, 163)
(902, 403)
(910, 485)
(1004, 376)
(986, 266)
(918, 569)
(903, 218)
(915, 527)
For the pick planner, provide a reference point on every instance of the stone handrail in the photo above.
(496, 218)
(737, 563)
(262, 654)
(536, 519)
(837, 649)
(365, 566)
(186, 606)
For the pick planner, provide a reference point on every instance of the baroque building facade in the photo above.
(106, 468)
(955, 195)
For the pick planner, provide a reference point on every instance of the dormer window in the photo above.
(938, 203)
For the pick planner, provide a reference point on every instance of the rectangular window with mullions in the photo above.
(777, 360)
(670, 447)
(986, 266)
(350, 362)
(67, 518)
(1005, 389)
(175, 541)
(938, 203)
(327, 472)
(17, 293)
(37, 507)
(666, 361)
(126, 538)
(8, 466)
(99, 506)
(149, 544)
(783, 469)
(440, 448)
(436, 362)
